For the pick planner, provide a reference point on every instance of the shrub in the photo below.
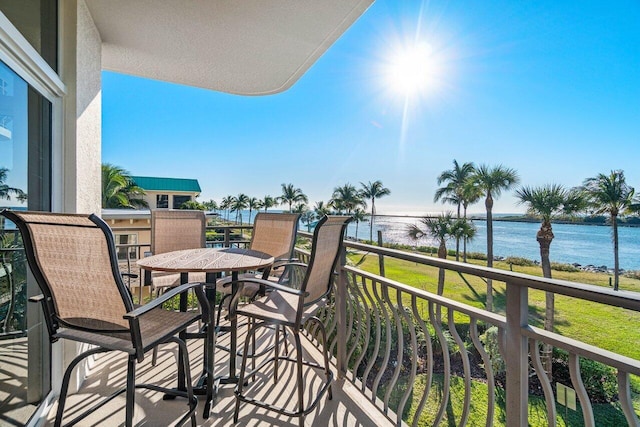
(558, 266)
(490, 341)
(599, 380)
(516, 260)
(632, 274)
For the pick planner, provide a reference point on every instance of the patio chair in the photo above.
(293, 309)
(273, 234)
(174, 230)
(84, 299)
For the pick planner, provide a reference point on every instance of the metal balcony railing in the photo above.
(412, 353)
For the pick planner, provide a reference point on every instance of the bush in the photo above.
(558, 266)
(632, 274)
(490, 341)
(599, 380)
(516, 260)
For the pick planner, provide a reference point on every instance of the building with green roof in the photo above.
(165, 193)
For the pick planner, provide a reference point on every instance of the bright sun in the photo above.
(413, 70)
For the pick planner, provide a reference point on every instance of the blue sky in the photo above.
(550, 89)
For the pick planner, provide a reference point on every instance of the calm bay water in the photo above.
(583, 244)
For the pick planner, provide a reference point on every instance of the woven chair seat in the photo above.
(279, 307)
(154, 325)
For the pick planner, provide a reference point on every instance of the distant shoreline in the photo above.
(524, 218)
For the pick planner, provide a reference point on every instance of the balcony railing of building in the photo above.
(424, 359)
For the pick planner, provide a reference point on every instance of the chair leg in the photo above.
(65, 382)
(325, 352)
(243, 368)
(131, 390)
(299, 365)
(187, 375)
(275, 356)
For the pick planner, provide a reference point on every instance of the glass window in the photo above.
(179, 200)
(25, 180)
(124, 251)
(162, 201)
(37, 22)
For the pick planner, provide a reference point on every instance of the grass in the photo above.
(586, 321)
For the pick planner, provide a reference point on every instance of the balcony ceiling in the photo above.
(248, 47)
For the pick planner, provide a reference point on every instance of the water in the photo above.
(582, 244)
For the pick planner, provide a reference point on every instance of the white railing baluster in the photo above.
(581, 392)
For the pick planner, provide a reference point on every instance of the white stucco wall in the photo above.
(80, 70)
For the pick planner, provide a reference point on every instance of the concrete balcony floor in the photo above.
(107, 373)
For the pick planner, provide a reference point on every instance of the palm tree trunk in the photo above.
(464, 242)
(488, 203)
(373, 214)
(458, 237)
(616, 260)
(544, 238)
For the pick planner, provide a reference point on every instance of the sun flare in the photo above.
(413, 70)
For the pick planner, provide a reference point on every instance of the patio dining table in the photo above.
(210, 261)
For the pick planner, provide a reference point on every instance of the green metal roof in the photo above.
(152, 183)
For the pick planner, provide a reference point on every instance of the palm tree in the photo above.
(549, 202)
(321, 209)
(292, 195)
(493, 180)
(440, 229)
(238, 204)
(610, 194)
(372, 191)
(225, 205)
(252, 203)
(268, 202)
(471, 193)
(6, 191)
(359, 215)
(306, 216)
(211, 205)
(455, 181)
(465, 230)
(346, 197)
(119, 190)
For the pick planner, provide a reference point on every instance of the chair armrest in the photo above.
(166, 296)
(132, 275)
(36, 298)
(268, 284)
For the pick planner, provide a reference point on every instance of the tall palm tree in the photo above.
(372, 191)
(452, 192)
(6, 191)
(291, 195)
(611, 195)
(225, 205)
(471, 193)
(439, 228)
(493, 181)
(252, 203)
(268, 202)
(359, 215)
(119, 190)
(239, 203)
(548, 202)
(347, 198)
